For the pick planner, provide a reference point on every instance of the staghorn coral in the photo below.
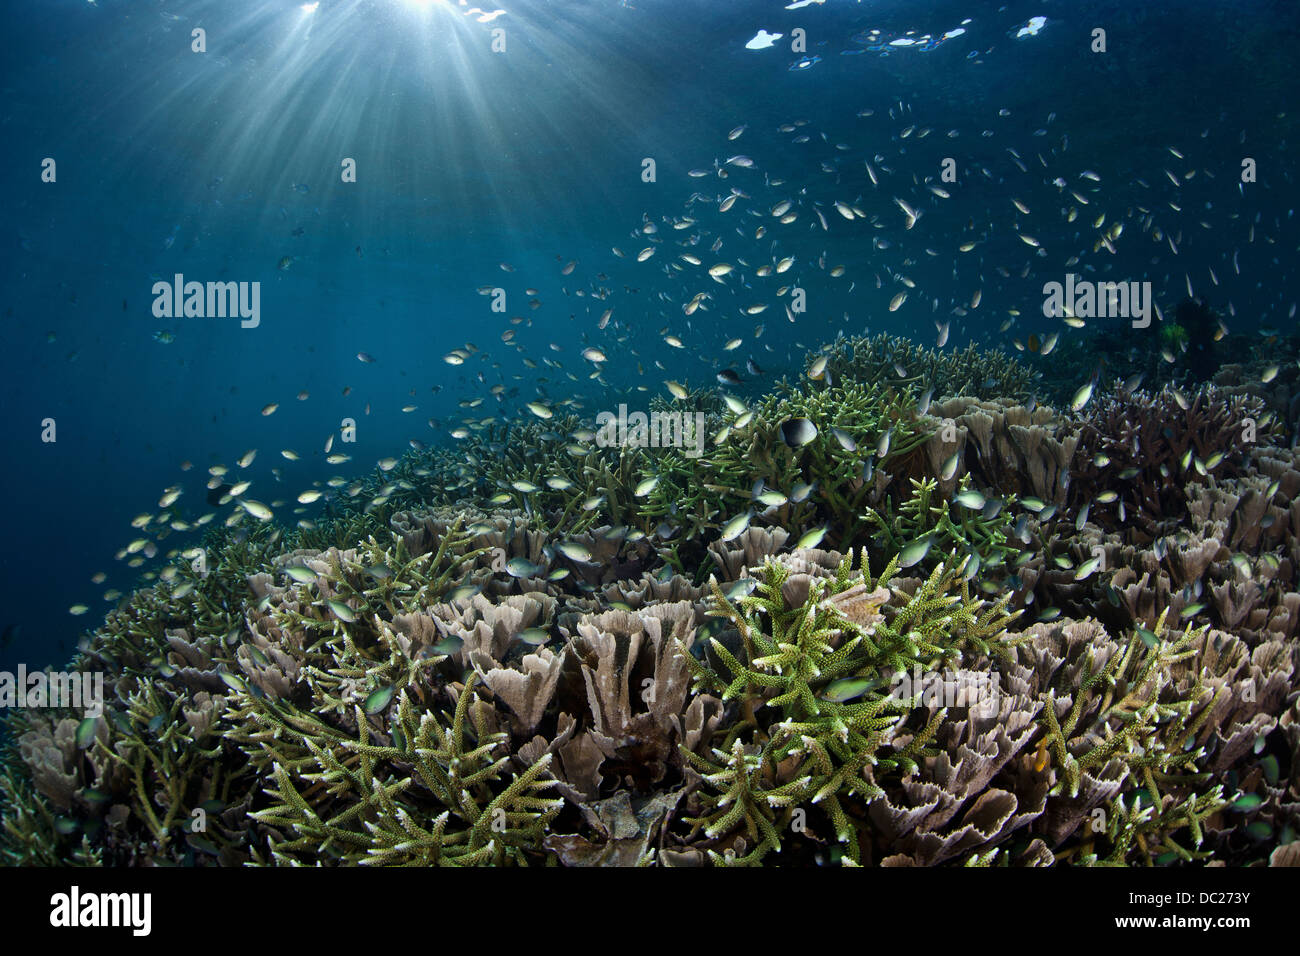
(1119, 718)
(346, 799)
(971, 371)
(753, 468)
(987, 531)
(804, 666)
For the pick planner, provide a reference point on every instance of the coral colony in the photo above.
(896, 613)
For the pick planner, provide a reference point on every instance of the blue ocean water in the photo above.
(225, 165)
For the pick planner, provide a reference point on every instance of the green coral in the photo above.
(889, 359)
(702, 495)
(171, 766)
(556, 473)
(1141, 831)
(1128, 709)
(431, 792)
(807, 664)
(31, 832)
(962, 525)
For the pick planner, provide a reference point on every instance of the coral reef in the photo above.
(1080, 648)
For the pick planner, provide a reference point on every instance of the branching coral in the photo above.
(988, 532)
(809, 664)
(1131, 717)
(887, 359)
(858, 434)
(433, 793)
